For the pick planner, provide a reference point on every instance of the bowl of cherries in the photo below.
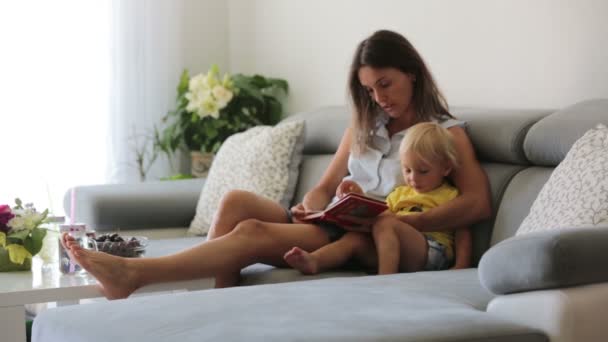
(124, 246)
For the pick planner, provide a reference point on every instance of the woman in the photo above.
(391, 89)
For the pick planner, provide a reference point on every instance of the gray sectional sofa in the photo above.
(523, 289)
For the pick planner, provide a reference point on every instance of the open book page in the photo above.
(352, 205)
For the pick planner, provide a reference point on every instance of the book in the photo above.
(351, 204)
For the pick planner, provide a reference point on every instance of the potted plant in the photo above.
(210, 109)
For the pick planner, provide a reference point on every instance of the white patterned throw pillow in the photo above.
(576, 194)
(264, 160)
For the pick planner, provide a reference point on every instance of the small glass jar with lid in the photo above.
(78, 231)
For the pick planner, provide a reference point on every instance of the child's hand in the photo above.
(346, 187)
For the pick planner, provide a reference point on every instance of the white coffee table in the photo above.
(18, 289)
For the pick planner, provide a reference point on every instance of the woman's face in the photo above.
(390, 88)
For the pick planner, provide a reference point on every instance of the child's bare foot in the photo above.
(302, 261)
(115, 278)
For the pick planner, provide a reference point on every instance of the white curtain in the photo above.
(153, 41)
(142, 74)
(82, 82)
(54, 90)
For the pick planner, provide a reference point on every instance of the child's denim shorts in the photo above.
(437, 258)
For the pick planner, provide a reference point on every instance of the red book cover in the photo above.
(351, 204)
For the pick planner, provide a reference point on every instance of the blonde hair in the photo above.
(431, 142)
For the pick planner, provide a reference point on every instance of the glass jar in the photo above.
(79, 232)
(48, 253)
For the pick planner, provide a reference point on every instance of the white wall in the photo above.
(499, 53)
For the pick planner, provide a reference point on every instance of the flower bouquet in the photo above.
(210, 108)
(21, 235)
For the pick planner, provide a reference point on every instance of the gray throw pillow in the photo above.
(546, 260)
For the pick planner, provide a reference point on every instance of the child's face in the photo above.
(421, 175)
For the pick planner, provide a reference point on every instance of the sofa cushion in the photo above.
(251, 275)
(546, 260)
(430, 306)
(548, 141)
(499, 176)
(311, 171)
(576, 194)
(575, 313)
(498, 134)
(264, 160)
(516, 201)
(324, 128)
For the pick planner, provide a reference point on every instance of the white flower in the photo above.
(207, 95)
(194, 102)
(17, 224)
(198, 83)
(25, 219)
(211, 79)
(222, 95)
(210, 107)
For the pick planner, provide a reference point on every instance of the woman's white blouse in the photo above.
(378, 169)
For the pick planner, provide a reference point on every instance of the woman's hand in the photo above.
(348, 186)
(299, 211)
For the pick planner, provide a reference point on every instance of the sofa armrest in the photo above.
(546, 260)
(157, 204)
(569, 314)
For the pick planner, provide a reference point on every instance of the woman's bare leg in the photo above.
(252, 241)
(400, 246)
(237, 206)
(336, 254)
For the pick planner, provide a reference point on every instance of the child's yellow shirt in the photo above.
(405, 200)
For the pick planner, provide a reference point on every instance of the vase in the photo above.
(7, 266)
(201, 163)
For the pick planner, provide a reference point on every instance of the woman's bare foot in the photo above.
(302, 261)
(115, 278)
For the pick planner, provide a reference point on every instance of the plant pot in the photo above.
(7, 266)
(201, 163)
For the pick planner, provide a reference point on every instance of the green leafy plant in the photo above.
(209, 110)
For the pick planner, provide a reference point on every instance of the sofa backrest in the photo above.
(545, 145)
(518, 149)
(498, 137)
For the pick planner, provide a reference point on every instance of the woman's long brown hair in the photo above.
(388, 49)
